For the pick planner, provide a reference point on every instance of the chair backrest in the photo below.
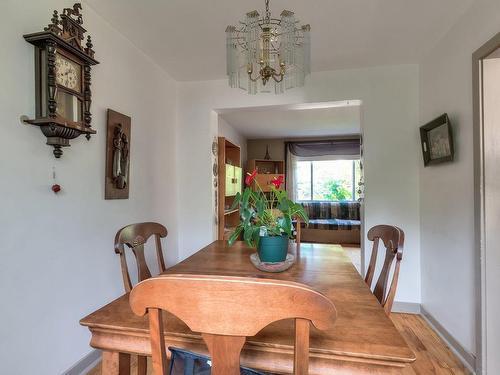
(393, 239)
(226, 310)
(135, 237)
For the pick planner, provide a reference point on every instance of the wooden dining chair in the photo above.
(135, 237)
(215, 307)
(393, 239)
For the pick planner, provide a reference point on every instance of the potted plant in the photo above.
(266, 220)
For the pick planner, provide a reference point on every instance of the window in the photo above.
(327, 180)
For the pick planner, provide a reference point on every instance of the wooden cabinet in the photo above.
(238, 180)
(267, 171)
(229, 186)
(233, 180)
(230, 182)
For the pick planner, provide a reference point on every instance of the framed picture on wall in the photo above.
(437, 141)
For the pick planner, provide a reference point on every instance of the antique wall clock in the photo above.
(62, 75)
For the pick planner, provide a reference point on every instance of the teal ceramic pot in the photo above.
(273, 249)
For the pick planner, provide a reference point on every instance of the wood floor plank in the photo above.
(434, 357)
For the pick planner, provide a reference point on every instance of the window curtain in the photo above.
(345, 149)
(291, 172)
(333, 149)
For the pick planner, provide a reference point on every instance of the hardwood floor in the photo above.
(433, 355)
(354, 252)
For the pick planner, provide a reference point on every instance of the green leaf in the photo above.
(246, 196)
(246, 216)
(256, 236)
(287, 225)
(236, 201)
(281, 195)
(247, 234)
(284, 206)
(234, 236)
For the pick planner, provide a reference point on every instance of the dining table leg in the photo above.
(114, 363)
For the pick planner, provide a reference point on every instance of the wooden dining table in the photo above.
(363, 340)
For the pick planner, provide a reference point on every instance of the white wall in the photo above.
(446, 191)
(392, 155)
(56, 252)
(228, 131)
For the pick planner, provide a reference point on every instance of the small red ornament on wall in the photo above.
(56, 188)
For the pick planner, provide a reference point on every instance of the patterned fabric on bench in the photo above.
(333, 215)
(332, 224)
(332, 210)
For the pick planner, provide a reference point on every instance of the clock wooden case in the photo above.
(63, 76)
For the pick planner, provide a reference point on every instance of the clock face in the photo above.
(68, 73)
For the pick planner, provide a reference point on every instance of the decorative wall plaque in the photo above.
(62, 79)
(117, 156)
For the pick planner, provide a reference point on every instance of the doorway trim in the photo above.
(479, 236)
(217, 112)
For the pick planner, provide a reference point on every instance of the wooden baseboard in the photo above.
(467, 358)
(84, 365)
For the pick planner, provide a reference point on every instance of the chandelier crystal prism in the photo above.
(264, 50)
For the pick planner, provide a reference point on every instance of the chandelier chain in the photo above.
(268, 13)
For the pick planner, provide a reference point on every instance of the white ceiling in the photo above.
(322, 120)
(187, 38)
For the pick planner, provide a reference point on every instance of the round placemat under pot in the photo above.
(272, 267)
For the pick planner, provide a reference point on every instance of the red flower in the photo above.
(277, 181)
(56, 188)
(250, 177)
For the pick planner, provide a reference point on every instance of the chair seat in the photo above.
(184, 362)
(332, 224)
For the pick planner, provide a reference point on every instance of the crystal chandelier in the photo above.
(268, 50)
